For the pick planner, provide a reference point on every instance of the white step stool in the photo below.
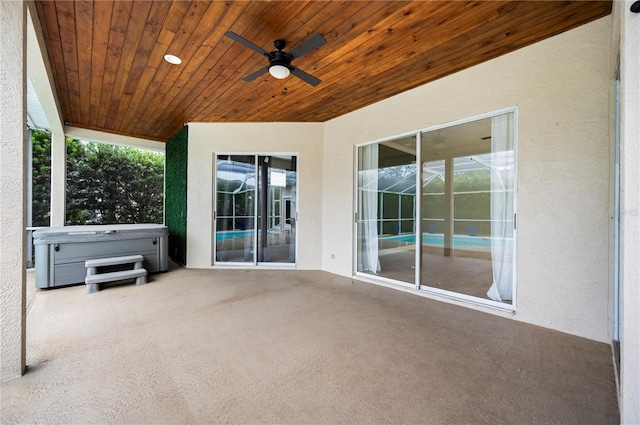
(94, 279)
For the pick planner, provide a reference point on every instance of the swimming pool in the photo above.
(232, 234)
(438, 240)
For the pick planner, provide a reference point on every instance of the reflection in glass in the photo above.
(235, 195)
(255, 209)
(386, 209)
(467, 208)
(276, 213)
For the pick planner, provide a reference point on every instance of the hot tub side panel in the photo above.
(60, 256)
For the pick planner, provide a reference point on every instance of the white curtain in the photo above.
(368, 209)
(502, 171)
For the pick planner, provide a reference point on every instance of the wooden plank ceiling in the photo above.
(109, 72)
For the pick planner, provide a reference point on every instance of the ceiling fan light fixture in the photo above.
(279, 71)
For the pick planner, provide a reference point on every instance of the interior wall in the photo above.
(561, 89)
(303, 139)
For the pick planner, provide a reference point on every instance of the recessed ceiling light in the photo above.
(173, 59)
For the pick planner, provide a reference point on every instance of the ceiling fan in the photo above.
(279, 61)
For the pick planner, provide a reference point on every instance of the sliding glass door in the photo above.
(467, 218)
(454, 236)
(255, 209)
(386, 209)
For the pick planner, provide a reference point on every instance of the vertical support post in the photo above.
(291, 211)
(399, 213)
(29, 249)
(448, 207)
(13, 131)
(58, 178)
(264, 203)
(380, 221)
(233, 212)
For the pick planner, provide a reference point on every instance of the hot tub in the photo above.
(60, 252)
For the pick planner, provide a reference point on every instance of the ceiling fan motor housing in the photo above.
(279, 57)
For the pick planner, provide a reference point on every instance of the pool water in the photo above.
(427, 238)
(232, 234)
(438, 240)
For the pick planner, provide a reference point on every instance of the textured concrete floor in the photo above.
(295, 347)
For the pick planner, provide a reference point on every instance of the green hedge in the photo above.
(105, 184)
(176, 195)
(109, 184)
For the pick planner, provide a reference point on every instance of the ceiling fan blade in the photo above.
(307, 78)
(308, 45)
(256, 74)
(235, 37)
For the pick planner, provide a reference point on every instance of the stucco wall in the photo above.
(13, 177)
(630, 213)
(561, 89)
(303, 139)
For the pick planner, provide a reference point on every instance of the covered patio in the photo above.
(311, 343)
(248, 346)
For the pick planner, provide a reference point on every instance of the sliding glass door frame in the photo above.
(258, 210)
(422, 289)
(357, 218)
